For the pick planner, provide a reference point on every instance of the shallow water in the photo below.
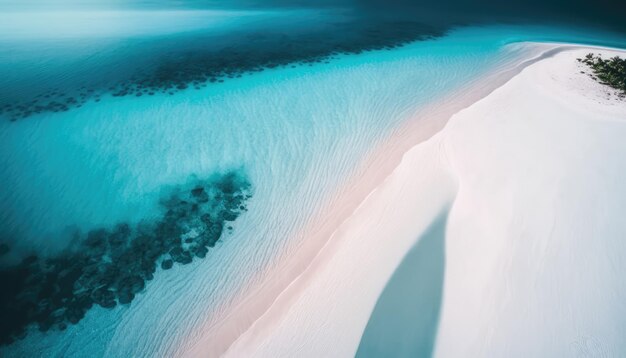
(298, 134)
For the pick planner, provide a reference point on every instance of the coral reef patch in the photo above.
(107, 267)
(200, 64)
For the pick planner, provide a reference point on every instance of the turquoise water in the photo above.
(296, 133)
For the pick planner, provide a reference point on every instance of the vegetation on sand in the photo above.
(611, 72)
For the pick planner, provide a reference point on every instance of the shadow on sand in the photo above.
(406, 317)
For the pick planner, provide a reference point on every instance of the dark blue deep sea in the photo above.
(156, 155)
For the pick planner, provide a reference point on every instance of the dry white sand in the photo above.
(530, 179)
(536, 238)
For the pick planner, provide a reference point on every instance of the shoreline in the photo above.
(282, 286)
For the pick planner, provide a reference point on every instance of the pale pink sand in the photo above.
(260, 323)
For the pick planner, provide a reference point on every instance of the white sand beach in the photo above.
(526, 184)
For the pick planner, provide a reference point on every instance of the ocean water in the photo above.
(113, 132)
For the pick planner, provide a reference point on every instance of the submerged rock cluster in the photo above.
(202, 66)
(110, 266)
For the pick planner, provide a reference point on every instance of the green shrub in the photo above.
(611, 72)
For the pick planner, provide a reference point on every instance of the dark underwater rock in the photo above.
(112, 265)
(125, 297)
(132, 284)
(200, 195)
(229, 216)
(200, 251)
(183, 258)
(104, 297)
(167, 264)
